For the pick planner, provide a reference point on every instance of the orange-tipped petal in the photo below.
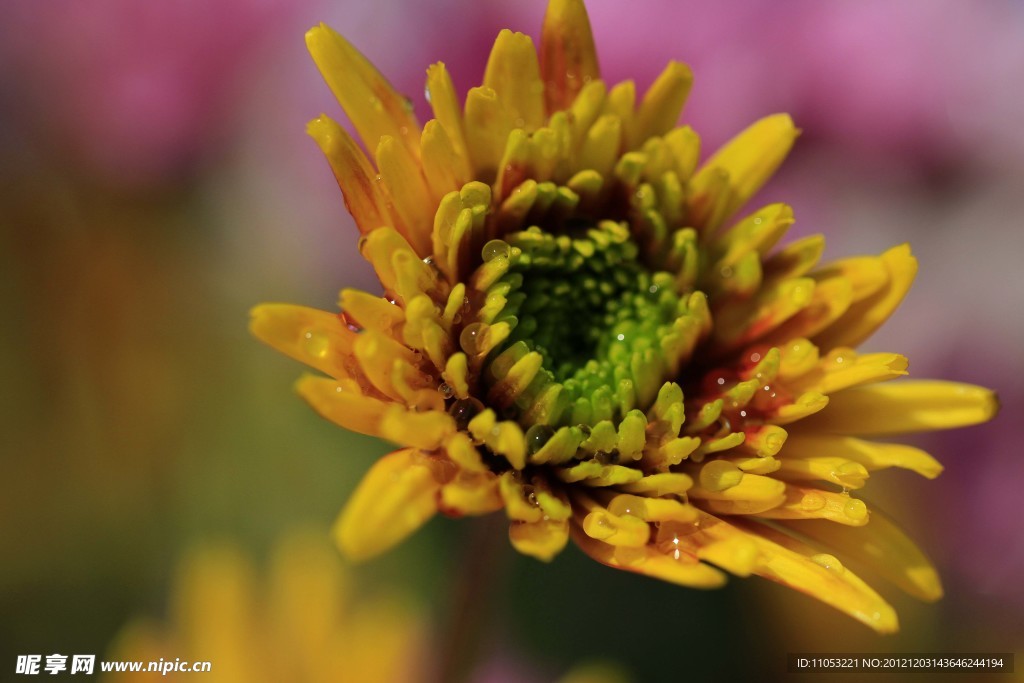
(366, 96)
(355, 176)
(567, 54)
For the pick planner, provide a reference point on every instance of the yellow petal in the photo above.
(872, 455)
(905, 406)
(845, 473)
(603, 145)
(647, 560)
(445, 103)
(843, 369)
(749, 159)
(407, 189)
(487, 130)
(800, 567)
(811, 503)
(395, 498)
(402, 273)
(513, 73)
(471, 494)
(864, 317)
(663, 102)
(753, 494)
(356, 178)
(542, 540)
(444, 169)
(317, 338)
(567, 54)
(349, 409)
(369, 100)
(882, 547)
(377, 354)
(371, 312)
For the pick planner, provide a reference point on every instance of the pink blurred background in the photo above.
(156, 181)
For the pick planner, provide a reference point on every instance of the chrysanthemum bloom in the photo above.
(578, 327)
(302, 621)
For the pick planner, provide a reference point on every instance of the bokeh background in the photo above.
(156, 182)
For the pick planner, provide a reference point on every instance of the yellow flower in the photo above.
(577, 328)
(304, 621)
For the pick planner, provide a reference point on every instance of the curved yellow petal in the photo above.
(798, 566)
(369, 100)
(395, 498)
(882, 547)
(864, 317)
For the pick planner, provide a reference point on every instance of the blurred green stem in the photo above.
(472, 593)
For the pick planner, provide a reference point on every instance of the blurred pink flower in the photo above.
(136, 90)
(922, 80)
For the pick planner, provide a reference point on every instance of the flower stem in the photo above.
(472, 593)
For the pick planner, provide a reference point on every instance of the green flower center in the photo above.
(607, 327)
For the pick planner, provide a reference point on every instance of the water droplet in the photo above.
(471, 339)
(719, 475)
(376, 103)
(725, 272)
(758, 220)
(445, 390)
(755, 357)
(496, 249)
(620, 337)
(426, 95)
(720, 381)
(316, 343)
(537, 436)
(653, 289)
(855, 509)
(829, 562)
(812, 501)
(378, 177)
(404, 130)
(464, 410)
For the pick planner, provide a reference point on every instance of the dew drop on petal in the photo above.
(316, 343)
(537, 436)
(464, 410)
(496, 249)
(855, 509)
(812, 501)
(829, 562)
(445, 390)
(471, 339)
(719, 475)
